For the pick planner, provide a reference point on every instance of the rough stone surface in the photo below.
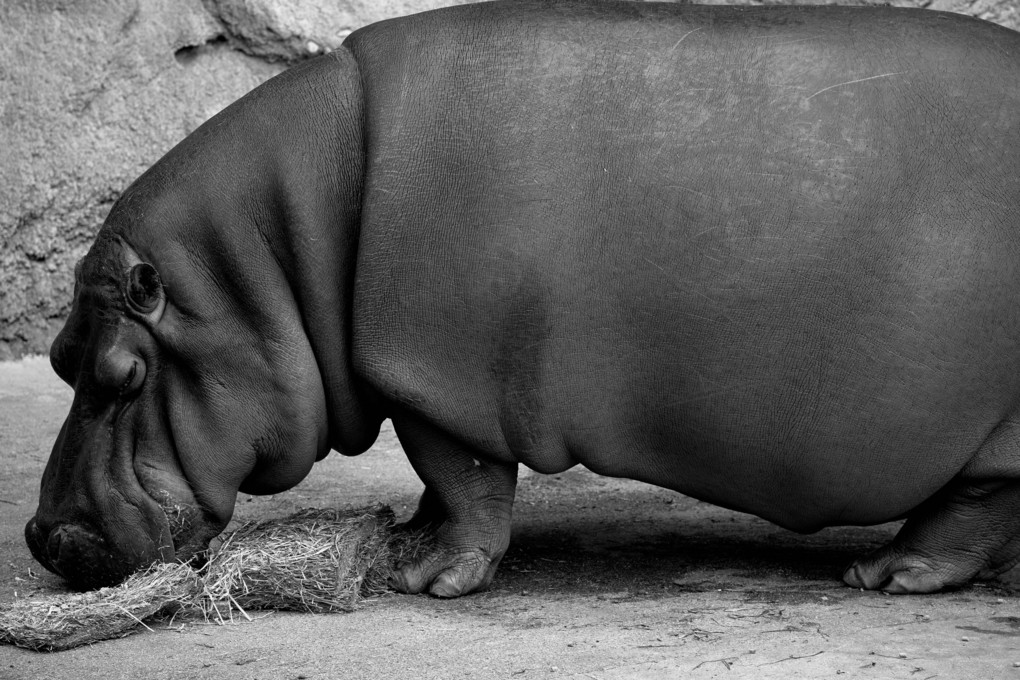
(92, 93)
(288, 30)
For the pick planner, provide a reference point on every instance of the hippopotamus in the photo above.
(766, 257)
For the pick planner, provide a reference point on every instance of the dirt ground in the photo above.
(604, 579)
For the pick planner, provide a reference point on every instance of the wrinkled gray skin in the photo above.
(767, 257)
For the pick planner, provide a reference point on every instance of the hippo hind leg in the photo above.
(970, 529)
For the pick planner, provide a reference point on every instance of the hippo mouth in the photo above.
(158, 525)
(189, 534)
(74, 544)
(88, 559)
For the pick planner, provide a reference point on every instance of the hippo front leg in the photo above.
(428, 516)
(468, 503)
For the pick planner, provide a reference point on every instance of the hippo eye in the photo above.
(143, 288)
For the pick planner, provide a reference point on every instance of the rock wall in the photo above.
(94, 91)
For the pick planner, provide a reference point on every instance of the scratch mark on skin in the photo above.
(698, 293)
(705, 231)
(682, 38)
(705, 396)
(687, 189)
(794, 42)
(859, 80)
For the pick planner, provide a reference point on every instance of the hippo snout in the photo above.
(76, 553)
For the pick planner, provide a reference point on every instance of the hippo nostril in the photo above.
(69, 544)
(32, 532)
(76, 553)
(54, 542)
(36, 539)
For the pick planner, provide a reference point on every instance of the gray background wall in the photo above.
(94, 91)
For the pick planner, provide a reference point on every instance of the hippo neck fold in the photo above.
(263, 202)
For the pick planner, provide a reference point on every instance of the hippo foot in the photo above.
(971, 530)
(446, 573)
(443, 571)
(894, 573)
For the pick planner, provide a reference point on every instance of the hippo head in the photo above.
(178, 404)
(207, 342)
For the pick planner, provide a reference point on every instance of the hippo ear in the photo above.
(143, 289)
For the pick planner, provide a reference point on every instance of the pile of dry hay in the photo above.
(311, 561)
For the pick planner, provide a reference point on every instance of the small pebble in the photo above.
(1016, 664)
(965, 639)
(312, 47)
(902, 655)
